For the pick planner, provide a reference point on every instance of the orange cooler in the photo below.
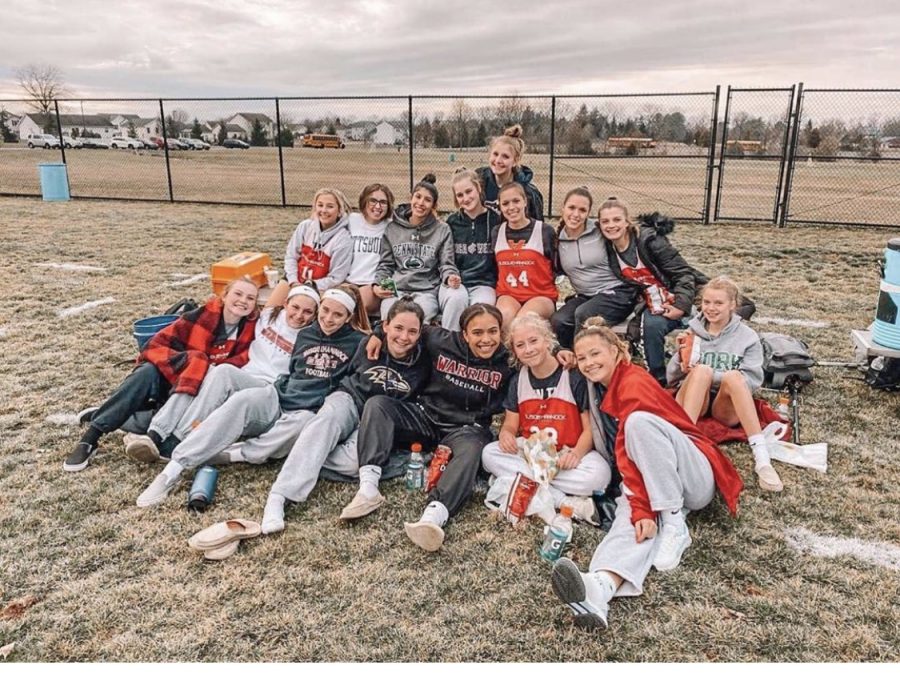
(251, 264)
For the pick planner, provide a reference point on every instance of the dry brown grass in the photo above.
(118, 583)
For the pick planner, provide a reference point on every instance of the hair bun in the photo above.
(461, 169)
(595, 321)
(429, 178)
(514, 131)
(612, 198)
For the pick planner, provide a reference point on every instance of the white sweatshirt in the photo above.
(270, 351)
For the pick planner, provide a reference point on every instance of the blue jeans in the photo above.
(654, 329)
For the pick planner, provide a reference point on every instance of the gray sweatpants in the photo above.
(254, 413)
(181, 411)
(591, 474)
(676, 474)
(451, 302)
(322, 443)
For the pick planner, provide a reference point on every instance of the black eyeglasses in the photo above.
(377, 202)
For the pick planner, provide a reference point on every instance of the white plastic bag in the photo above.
(813, 456)
(498, 497)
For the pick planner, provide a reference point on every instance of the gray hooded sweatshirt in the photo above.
(735, 347)
(584, 260)
(419, 258)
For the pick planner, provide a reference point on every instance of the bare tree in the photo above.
(460, 115)
(41, 83)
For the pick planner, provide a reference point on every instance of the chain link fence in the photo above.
(775, 155)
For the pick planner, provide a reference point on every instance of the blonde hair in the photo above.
(512, 137)
(240, 279)
(344, 206)
(535, 322)
(461, 174)
(596, 327)
(613, 202)
(728, 286)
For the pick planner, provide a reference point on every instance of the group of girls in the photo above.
(309, 381)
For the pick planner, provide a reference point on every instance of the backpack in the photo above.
(181, 307)
(785, 356)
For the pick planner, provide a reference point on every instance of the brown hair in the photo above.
(359, 319)
(276, 310)
(406, 304)
(575, 191)
(368, 190)
(725, 284)
(533, 320)
(512, 137)
(512, 185)
(596, 326)
(461, 174)
(613, 202)
(476, 310)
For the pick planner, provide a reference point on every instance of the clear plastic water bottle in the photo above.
(558, 534)
(415, 469)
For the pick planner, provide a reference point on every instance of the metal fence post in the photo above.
(785, 146)
(162, 122)
(711, 158)
(62, 144)
(722, 153)
(410, 142)
(789, 171)
(280, 155)
(552, 153)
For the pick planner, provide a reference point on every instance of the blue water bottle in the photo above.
(203, 489)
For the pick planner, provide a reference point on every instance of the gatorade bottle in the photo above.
(415, 469)
(558, 534)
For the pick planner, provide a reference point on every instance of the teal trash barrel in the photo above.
(54, 182)
(145, 328)
(886, 331)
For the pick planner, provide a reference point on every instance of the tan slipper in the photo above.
(768, 479)
(141, 448)
(223, 552)
(360, 506)
(223, 533)
(429, 536)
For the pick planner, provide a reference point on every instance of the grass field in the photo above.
(114, 582)
(844, 191)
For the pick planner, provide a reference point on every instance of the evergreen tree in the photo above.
(132, 131)
(223, 133)
(258, 135)
(197, 130)
(441, 137)
(287, 138)
(480, 138)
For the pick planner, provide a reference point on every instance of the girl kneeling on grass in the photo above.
(467, 385)
(269, 358)
(666, 465)
(725, 370)
(320, 249)
(376, 207)
(329, 439)
(417, 253)
(525, 249)
(176, 360)
(273, 416)
(545, 396)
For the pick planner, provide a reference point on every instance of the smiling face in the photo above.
(575, 213)
(300, 311)
(596, 358)
(402, 333)
(468, 196)
(512, 206)
(530, 346)
(613, 224)
(482, 334)
(240, 300)
(327, 210)
(502, 160)
(421, 204)
(376, 207)
(332, 315)
(717, 307)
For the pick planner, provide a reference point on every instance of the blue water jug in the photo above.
(203, 489)
(886, 331)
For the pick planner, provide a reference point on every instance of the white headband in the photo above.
(306, 291)
(342, 298)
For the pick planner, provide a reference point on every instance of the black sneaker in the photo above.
(85, 415)
(80, 457)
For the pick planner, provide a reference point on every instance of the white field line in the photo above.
(190, 280)
(3, 332)
(179, 275)
(67, 266)
(62, 419)
(74, 310)
(877, 553)
(799, 322)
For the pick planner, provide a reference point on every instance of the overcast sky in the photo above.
(353, 47)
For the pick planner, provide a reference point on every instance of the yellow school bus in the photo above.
(322, 140)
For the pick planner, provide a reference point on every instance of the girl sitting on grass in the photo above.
(544, 396)
(667, 467)
(320, 249)
(176, 360)
(525, 249)
(504, 167)
(719, 368)
(376, 207)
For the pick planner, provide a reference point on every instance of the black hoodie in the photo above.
(399, 379)
(473, 247)
(522, 175)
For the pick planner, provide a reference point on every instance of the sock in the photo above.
(369, 476)
(156, 437)
(760, 451)
(173, 470)
(607, 583)
(672, 518)
(168, 445)
(436, 512)
(274, 502)
(91, 436)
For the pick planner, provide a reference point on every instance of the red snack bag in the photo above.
(438, 464)
(520, 494)
(687, 354)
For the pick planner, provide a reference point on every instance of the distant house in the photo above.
(746, 146)
(206, 132)
(298, 130)
(145, 127)
(360, 130)
(390, 133)
(121, 120)
(231, 131)
(245, 120)
(36, 122)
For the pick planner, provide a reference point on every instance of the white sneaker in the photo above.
(158, 490)
(583, 593)
(273, 515)
(673, 540)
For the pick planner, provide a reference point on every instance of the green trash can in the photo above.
(54, 182)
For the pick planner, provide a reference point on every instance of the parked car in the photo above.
(151, 143)
(72, 143)
(94, 144)
(117, 142)
(195, 143)
(236, 143)
(176, 144)
(44, 140)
